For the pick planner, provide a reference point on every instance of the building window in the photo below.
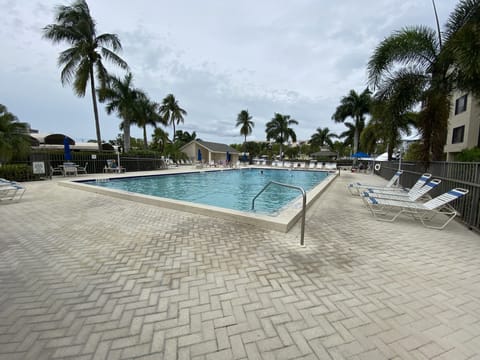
(461, 104)
(457, 136)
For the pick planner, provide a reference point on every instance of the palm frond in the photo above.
(412, 46)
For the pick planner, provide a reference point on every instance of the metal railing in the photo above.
(304, 204)
(453, 174)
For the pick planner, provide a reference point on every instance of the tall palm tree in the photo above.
(146, 113)
(279, 130)
(321, 137)
(13, 136)
(356, 106)
(75, 26)
(245, 121)
(122, 98)
(410, 66)
(172, 112)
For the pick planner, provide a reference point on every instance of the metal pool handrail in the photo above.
(304, 204)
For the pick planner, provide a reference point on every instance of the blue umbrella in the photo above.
(66, 149)
(199, 155)
(228, 156)
(360, 155)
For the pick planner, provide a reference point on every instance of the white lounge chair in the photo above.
(424, 212)
(417, 190)
(82, 169)
(414, 194)
(355, 188)
(11, 190)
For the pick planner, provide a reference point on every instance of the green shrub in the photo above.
(17, 172)
(469, 155)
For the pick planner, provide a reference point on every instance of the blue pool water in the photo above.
(232, 189)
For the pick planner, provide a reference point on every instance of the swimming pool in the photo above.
(232, 189)
(277, 209)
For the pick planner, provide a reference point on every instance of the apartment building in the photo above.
(463, 124)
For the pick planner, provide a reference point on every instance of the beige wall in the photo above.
(470, 119)
(192, 151)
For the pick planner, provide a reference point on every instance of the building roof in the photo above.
(213, 147)
(324, 153)
(52, 139)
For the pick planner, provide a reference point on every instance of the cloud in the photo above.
(217, 57)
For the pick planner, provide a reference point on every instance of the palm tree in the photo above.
(13, 136)
(410, 67)
(322, 137)
(184, 137)
(172, 112)
(146, 113)
(355, 106)
(390, 119)
(279, 130)
(463, 31)
(160, 139)
(349, 134)
(75, 26)
(245, 121)
(123, 98)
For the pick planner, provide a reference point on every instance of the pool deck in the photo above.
(88, 276)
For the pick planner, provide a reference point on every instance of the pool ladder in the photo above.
(304, 204)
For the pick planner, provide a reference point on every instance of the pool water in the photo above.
(231, 189)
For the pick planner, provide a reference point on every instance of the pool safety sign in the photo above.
(38, 167)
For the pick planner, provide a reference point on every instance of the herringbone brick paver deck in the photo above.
(87, 276)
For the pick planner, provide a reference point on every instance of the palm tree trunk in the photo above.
(355, 141)
(145, 137)
(173, 137)
(95, 109)
(126, 135)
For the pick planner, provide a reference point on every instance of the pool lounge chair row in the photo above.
(11, 190)
(303, 165)
(388, 203)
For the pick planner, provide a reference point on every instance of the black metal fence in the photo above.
(96, 162)
(453, 175)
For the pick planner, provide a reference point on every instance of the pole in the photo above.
(118, 157)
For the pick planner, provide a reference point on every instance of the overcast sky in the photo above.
(218, 57)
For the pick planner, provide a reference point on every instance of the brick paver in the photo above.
(87, 276)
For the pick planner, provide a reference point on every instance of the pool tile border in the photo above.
(282, 222)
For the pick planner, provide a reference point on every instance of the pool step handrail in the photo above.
(304, 204)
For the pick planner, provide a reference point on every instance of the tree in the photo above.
(13, 136)
(410, 66)
(160, 139)
(463, 33)
(184, 137)
(245, 121)
(390, 120)
(355, 106)
(172, 112)
(349, 134)
(279, 130)
(123, 98)
(75, 26)
(146, 113)
(321, 137)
